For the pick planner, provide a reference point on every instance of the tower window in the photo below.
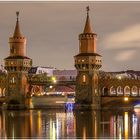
(84, 78)
(13, 80)
(13, 50)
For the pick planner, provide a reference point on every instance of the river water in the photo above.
(56, 124)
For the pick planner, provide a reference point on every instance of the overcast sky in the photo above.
(52, 30)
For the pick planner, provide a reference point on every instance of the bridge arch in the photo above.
(119, 91)
(134, 91)
(112, 90)
(126, 91)
(104, 91)
(3, 92)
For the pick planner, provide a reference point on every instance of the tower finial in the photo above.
(17, 32)
(17, 13)
(87, 10)
(87, 28)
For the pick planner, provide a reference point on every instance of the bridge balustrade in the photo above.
(133, 91)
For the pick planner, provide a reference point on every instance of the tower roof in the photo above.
(17, 32)
(87, 28)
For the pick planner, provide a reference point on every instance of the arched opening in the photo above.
(105, 91)
(84, 78)
(127, 91)
(112, 91)
(134, 91)
(3, 93)
(119, 91)
(13, 102)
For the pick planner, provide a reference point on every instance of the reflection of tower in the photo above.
(17, 66)
(87, 124)
(87, 62)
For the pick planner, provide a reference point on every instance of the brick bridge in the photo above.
(114, 87)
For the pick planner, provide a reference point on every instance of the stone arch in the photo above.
(13, 101)
(3, 92)
(104, 91)
(126, 91)
(134, 91)
(119, 90)
(36, 90)
(112, 91)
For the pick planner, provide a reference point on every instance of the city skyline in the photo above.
(52, 40)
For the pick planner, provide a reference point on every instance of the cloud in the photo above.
(125, 55)
(129, 37)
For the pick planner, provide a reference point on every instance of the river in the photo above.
(57, 124)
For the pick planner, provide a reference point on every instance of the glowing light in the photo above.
(126, 125)
(69, 106)
(54, 79)
(51, 86)
(39, 122)
(126, 99)
(84, 133)
(119, 77)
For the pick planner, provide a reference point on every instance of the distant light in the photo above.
(54, 79)
(119, 77)
(51, 86)
(126, 99)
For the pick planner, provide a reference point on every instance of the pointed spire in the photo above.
(87, 28)
(17, 32)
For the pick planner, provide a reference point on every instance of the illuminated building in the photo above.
(17, 65)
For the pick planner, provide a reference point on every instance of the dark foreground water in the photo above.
(56, 124)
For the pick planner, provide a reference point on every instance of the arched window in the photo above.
(119, 90)
(134, 91)
(127, 91)
(112, 91)
(84, 78)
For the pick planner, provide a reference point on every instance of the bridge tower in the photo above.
(17, 65)
(87, 63)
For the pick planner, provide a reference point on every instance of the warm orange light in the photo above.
(126, 99)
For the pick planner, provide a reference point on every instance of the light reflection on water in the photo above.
(56, 124)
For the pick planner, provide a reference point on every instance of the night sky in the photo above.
(52, 30)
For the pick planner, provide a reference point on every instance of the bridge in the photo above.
(115, 89)
(121, 88)
(41, 83)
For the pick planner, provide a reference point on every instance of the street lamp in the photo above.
(54, 79)
(125, 99)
